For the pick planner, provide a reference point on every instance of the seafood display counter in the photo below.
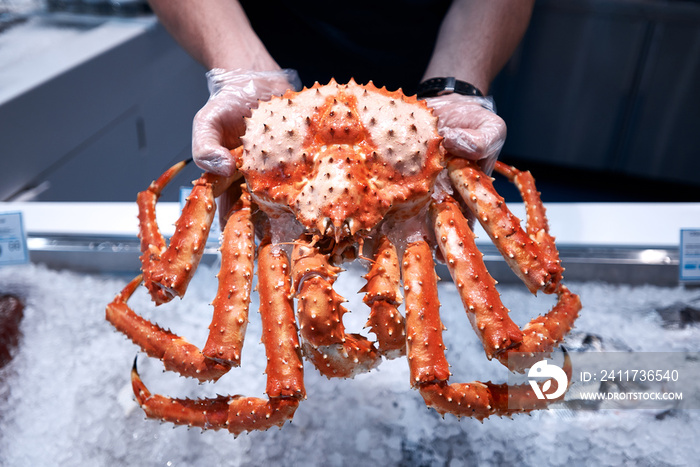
(66, 397)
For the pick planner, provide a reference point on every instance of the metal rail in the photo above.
(614, 264)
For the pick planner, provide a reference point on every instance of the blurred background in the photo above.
(601, 100)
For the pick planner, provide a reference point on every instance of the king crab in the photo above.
(331, 174)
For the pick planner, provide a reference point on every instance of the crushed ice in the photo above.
(65, 398)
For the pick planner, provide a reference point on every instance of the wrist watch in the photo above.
(441, 86)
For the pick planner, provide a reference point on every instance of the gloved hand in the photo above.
(470, 127)
(218, 126)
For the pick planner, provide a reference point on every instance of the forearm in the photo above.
(477, 38)
(215, 32)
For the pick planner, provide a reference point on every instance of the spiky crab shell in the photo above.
(341, 156)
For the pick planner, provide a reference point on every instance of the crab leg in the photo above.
(176, 353)
(537, 265)
(489, 317)
(230, 319)
(285, 370)
(476, 287)
(236, 413)
(426, 352)
(285, 385)
(320, 311)
(424, 346)
(537, 226)
(543, 333)
(168, 270)
(383, 295)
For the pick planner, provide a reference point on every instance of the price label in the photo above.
(13, 239)
(690, 255)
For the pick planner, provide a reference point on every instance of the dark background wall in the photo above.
(605, 95)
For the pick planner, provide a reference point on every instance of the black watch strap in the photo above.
(441, 86)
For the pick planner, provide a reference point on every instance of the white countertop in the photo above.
(589, 224)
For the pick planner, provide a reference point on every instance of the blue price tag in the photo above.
(690, 255)
(13, 239)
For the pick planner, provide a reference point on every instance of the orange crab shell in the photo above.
(341, 155)
(321, 156)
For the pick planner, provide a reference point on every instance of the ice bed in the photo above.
(65, 396)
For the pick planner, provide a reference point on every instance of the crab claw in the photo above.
(234, 413)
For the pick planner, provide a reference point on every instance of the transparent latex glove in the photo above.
(218, 126)
(470, 127)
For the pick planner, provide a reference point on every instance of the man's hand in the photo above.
(470, 127)
(218, 126)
